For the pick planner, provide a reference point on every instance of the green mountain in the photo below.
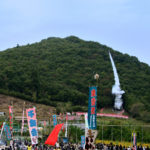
(58, 70)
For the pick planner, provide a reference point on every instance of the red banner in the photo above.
(52, 139)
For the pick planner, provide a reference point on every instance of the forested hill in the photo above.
(61, 70)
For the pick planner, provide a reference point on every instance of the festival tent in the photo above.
(52, 139)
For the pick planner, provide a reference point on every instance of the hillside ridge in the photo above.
(43, 111)
(59, 71)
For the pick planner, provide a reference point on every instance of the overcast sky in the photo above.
(123, 25)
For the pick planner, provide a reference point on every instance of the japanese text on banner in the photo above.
(32, 123)
(92, 107)
(54, 120)
(7, 132)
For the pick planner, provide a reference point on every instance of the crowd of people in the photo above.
(111, 146)
(69, 146)
(58, 146)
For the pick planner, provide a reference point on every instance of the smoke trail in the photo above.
(116, 90)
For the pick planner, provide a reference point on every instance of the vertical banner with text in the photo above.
(92, 105)
(82, 141)
(7, 132)
(11, 117)
(32, 123)
(54, 120)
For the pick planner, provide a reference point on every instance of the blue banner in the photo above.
(65, 140)
(54, 120)
(92, 105)
(82, 141)
(7, 132)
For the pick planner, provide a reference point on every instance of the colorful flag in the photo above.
(2, 128)
(92, 108)
(54, 120)
(90, 136)
(82, 141)
(11, 118)
(134, 139)
(66, 125)
(32, 123)
(7, 132)
(86, 121)
(52, 138)
(22, 123)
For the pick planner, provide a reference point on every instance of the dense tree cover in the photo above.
(61, 70)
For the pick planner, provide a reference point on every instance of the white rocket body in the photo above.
(116, 90)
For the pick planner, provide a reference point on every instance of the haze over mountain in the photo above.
(61, 70)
